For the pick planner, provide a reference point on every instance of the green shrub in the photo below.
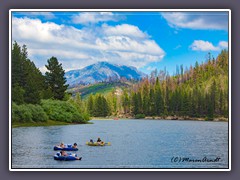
(21, 113)
(86, 116)
(37, 112)
(77, 118)
(28, 113)
(18, 94)
(139, 116)
(15, 113)
(62, 111)
(25, 113)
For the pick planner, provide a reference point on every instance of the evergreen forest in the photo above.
(199, 91)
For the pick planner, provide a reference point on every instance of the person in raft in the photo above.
(74, 145)
(99, 141)
(63, 153)
(61, 145)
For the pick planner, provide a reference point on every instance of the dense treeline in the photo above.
(27, 80)
(37, 97)
(98, 106)
(28, 83)
(200, 92)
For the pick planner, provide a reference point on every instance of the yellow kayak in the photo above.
(98, 143)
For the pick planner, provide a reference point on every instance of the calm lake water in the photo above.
(134, 144)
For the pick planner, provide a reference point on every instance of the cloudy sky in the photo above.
(146, 40)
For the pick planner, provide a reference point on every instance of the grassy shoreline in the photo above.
(58, 123)
(102, 118)
(36, 124)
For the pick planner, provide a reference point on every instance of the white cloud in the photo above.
(127, 44)
(197, 20)
(124, 29)
(77, 48)
(43, 69)
(223, 44)
(46, 15)
(200, 45)
(95, 17)
(136, 59)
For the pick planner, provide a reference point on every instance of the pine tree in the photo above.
(152, 111)
(140, 105)
(98, 106)
(222, 60)
(90, 105)
(55, 78)
(200, 103)
(145, 99)
(105, 107)
(17, 65)
(186, 105)
(213, 95)
(211, 101)
(135, 104)
(18, 94)
(34, 83)
(221, 103)
(125, 102)
(195, 102)
(209, 107)
(26, 78)
(159, 104)
(78, 101)
(226, 112)
(112, 102)
(167, 99)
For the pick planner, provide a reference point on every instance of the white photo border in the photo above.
(121, 10)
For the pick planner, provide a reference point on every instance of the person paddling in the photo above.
(63, 153)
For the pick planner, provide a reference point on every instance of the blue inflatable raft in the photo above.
(68, 147)
(70, 157)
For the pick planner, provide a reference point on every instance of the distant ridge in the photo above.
(102, 72)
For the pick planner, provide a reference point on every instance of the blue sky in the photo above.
(146, 40)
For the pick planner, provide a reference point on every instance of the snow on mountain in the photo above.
(102, 71)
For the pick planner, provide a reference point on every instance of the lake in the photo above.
(134, 144)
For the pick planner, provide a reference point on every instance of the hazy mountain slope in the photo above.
(102, 71)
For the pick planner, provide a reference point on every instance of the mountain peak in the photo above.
(102, 62)
(102, 71)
